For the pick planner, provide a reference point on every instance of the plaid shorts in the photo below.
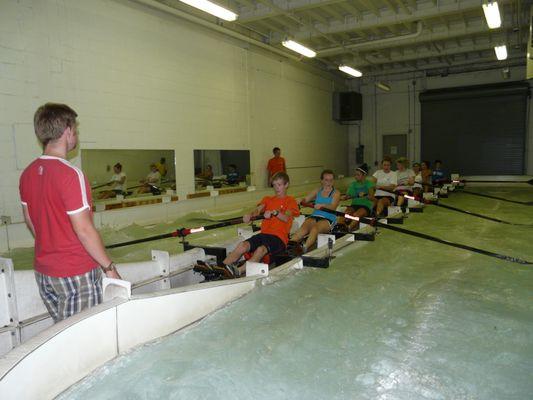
(64, 297)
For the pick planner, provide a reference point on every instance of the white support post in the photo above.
(113, 288)
(163, 261)
(323, 239)
(9, 337)
(393, 210)
(254, 269)
(245, 233)
(412, 203)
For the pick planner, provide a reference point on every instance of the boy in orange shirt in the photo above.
(279, 211)
(275, 164)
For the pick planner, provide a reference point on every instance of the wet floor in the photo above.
(398, 318)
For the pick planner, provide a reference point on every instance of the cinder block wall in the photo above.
(141, 79)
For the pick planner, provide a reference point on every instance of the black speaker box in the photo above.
(347, 106)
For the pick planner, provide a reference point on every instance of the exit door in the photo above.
(394, 146)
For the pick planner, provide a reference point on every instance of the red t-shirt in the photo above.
(275, 226)
(52, 189)
(276, 164)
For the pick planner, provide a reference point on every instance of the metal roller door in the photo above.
(476, 130)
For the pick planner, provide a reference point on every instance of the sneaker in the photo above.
(206, 271)
(233, 269)
(202, 267)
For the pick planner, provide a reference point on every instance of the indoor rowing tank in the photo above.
(398, 318)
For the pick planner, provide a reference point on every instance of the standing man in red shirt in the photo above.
(56, 201)
(275, 164)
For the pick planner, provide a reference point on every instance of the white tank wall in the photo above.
(60, 356)
(393, 111)
(141, 79)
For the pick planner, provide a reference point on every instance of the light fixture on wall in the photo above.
(212, 8)
(350, 71)
(492, 14)
(383, 86)
(501, 52)
(298, 48)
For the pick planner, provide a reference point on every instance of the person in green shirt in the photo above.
(361, 191)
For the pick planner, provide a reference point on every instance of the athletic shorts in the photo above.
(273, 243)
(386, 197)
(64, 297)
(318, 219)
(353, 209)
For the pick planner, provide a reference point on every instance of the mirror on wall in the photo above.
(128, 173)
(221, 168)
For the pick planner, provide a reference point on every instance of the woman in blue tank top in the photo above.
(320, 221)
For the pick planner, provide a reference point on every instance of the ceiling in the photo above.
(381, 37)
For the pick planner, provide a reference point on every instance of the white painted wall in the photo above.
(398, 114)
(142, 79)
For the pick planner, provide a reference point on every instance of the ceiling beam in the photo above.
(371, 6)
(367, 22)
(286, 5)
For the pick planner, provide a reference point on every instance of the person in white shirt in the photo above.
(386, 181)
(152, 180)
(417, 186)
(117, 183)
(405, 180)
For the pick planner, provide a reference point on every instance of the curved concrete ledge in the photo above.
(49, 363)
(63, 354)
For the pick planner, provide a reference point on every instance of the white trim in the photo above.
(85, 202)
(78, 210)
(45, 157)
(24, 203)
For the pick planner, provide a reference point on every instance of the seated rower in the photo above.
(426, 173)
(439, 175)
(279, 211)
(405, 180)
(232, 177)
(385, 180)
(117, 183)
(417, 186)
(361, 191)
(152, 181)
(324, 197)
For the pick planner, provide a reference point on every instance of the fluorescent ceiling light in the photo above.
(350, 71)
(383, 86)
(501, 52)
(212, 8)
(492, 14)
(297, 47)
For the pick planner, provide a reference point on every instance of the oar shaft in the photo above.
(148, 239)
(370, 221)
(182, 232)
(456, 245)
(473, 214)
(236, 221)
(524, 203)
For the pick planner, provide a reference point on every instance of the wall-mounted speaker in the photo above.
(347, 107)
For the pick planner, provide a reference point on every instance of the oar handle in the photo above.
(188, 231)
(364, 220)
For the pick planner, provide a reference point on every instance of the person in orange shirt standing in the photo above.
(275, 164)
(279, 211)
